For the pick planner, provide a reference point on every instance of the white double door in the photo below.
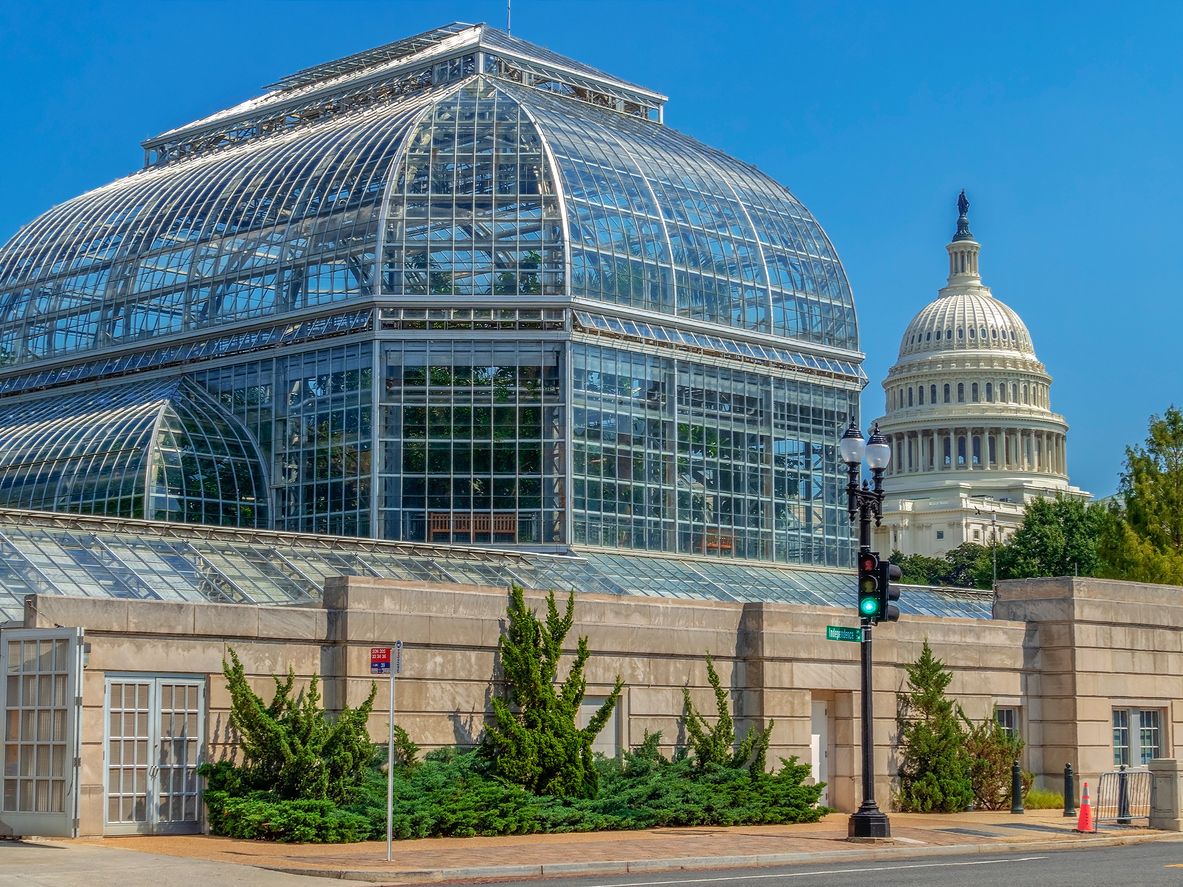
(153, 745)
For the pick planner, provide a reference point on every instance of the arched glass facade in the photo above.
(160, 450)
(460, 289)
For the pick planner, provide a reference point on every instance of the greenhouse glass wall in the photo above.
(456, 290)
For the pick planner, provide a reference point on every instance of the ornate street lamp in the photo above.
(866, 501)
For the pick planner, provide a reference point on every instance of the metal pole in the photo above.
(868, 713)
(994, 547)
(1016, 788)
(1123, 797)
(868, 822)
(390, 773)
(1069, 791)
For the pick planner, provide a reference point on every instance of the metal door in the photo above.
(153, 746)
(41, 698)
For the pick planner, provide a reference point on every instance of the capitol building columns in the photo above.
(968, 417)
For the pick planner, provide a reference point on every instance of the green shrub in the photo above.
(406, 752)
(533, 740)
(460, 795)
(290, 747)
(935, 773)
(716, 745)
(1041, 799)
(260, 815)
(992, 753)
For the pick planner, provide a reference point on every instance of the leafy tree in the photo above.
(935, 774)
(992, 752)
(918, 569)
(716, 745)
(1144, 539)
(1152, 484)
(290, 748)
(533, 740)
(966, 566)
(1058, 537)
(1126, 555)
(969, 565)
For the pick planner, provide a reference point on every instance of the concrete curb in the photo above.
(672, 864)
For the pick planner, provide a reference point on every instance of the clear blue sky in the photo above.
(1062, 121)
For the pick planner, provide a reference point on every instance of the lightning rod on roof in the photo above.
(508, 16)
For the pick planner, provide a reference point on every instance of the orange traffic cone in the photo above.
(1084, 822)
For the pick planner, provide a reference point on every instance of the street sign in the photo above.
(841, 633)
(398, 657)
(379, 660)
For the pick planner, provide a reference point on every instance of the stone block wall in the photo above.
(1095, 645)
(774, 658)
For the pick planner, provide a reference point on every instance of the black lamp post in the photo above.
(866, 502)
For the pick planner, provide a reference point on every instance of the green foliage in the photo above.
(290, 748)
(1144, 539)
(935, 773)
(1152, 484)
(460, 795)
(406, 752)
(919, 569)
(1126, 555)
(716, 745)
(1041, 799)
(533, 740)
(992, 753)
(262, 816)
(968, 565)
(1058, 537)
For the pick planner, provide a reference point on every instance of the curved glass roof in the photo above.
(660, 221)
(501, 170)
(268, 228)
(162, 450)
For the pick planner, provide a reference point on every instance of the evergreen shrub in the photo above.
(935, 775)
(533, 740)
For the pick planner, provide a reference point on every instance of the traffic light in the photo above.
(888, 593)
(870, 603)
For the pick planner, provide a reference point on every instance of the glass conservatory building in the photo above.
(457, 289)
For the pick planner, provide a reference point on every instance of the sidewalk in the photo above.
(447, 859)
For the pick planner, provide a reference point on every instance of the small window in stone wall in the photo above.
(1008, 719)
(940, 534)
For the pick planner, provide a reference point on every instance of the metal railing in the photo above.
(1122, 796)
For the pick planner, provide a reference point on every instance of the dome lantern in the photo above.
(963, 251)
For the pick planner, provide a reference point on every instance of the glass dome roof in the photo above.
(494, 169)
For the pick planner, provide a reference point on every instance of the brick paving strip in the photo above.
(517, 856)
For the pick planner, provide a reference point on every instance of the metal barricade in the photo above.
(1122, 796)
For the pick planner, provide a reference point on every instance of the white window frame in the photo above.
(1132, 724)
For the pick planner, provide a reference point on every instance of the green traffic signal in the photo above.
(870, 605)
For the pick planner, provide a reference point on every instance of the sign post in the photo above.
(380, 663)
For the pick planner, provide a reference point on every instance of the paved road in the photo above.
(80, 865)
(1140, 864)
